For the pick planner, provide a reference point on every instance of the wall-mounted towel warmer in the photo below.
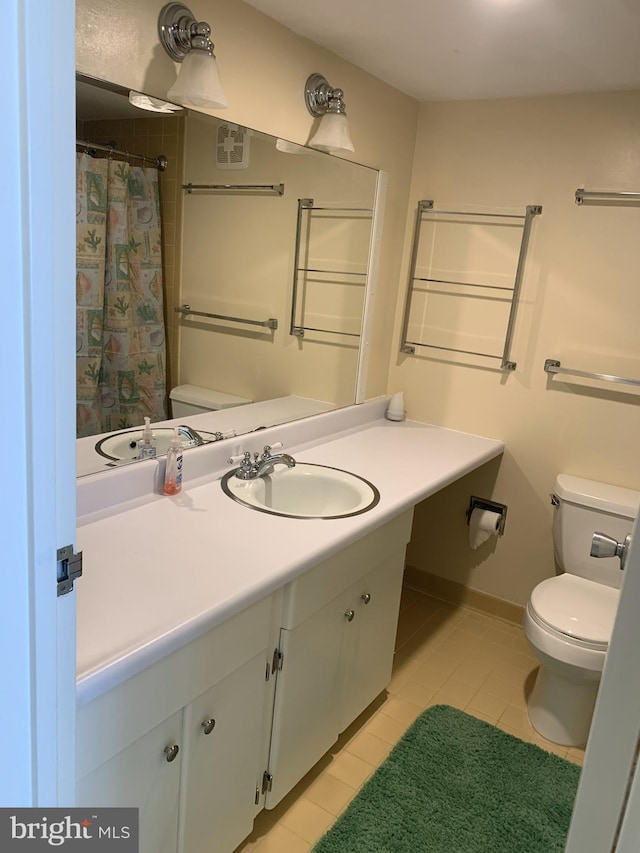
(351, 277)
(426, 209)
(271, 323)
(553, 366)
(266, 189)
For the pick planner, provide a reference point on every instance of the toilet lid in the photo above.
(577, 607)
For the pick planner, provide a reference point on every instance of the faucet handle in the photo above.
(269, 447)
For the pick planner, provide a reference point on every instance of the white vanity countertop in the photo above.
(167, 569)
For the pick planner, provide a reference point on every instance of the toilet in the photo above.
(194, 400)
(569, 618)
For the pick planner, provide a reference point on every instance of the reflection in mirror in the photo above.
(266, 243)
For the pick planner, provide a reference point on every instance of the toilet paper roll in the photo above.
(482, 524)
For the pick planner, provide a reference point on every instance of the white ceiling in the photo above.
(459, 49)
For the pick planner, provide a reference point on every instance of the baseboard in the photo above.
(457, 593)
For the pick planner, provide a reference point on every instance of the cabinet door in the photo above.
(141, 776)
(223, 738)
(306, 714)
(369, 638)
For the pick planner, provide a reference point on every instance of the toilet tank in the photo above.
(584, 507)
(194, 400)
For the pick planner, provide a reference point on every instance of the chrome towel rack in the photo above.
(426, 207)
(271, 323)
(276, 189)
(345, 277)
(553, 366)
(602, 197)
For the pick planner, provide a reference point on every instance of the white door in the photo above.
(599, 811)
(37, 346)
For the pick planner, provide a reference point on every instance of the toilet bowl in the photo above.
(194, 400)
(569, 618)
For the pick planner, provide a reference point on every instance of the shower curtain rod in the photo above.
(160, 162)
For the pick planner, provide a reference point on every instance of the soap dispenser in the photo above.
(173, 467)
(147, 450)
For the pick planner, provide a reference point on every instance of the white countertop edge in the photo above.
(98, 679)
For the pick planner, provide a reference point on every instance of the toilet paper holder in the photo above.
(492, 506)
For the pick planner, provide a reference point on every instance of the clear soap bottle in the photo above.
(147, 450)
(173, 467)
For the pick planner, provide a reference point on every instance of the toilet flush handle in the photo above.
(606, 546)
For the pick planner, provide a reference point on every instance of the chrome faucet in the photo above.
(259, 466)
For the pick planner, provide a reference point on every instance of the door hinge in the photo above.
(69, 568)
(278, 657)
(257, 799)
(267, 673)
(267, 782)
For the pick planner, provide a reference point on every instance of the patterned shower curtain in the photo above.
(120, 344)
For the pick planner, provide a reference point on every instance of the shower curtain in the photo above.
(120, 342)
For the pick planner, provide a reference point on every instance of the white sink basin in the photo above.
(126, 445)
(304, 491)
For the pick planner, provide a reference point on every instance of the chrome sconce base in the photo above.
(320, 97)
(179, 31)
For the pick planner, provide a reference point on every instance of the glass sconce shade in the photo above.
(332, 134)
(154, 105)
(198, 83)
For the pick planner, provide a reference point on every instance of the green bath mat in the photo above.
(455, 784)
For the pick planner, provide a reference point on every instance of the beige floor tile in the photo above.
(511, 730)
(487, 704)
(350, 769)
(516, 717)
(413, 691)
(458, 691)
(547, 745)
(512, 674)
(575, 757)
(330, 793)
(398, 709)
(434, 672)
(369, 748)
(511, 693)
(386, 728)
(443, 699)
(282, 840)
(469, 674)
(307, 820)
(479, 716)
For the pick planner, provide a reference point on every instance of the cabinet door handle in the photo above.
(366, 597)
(349, 615)
(208, 725)
(171, 752)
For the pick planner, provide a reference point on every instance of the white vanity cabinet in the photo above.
(141, 776)
(183, 740)
(336, 649)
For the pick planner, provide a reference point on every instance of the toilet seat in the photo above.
(575, 610)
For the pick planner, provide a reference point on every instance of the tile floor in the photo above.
(444, 655)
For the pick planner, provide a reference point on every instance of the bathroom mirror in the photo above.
(267, 242)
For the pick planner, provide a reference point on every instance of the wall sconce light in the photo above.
(187, 41)
(153, 105)
(333, 131)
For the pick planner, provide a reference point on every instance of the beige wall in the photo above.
(264, 67)
(581, 304)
